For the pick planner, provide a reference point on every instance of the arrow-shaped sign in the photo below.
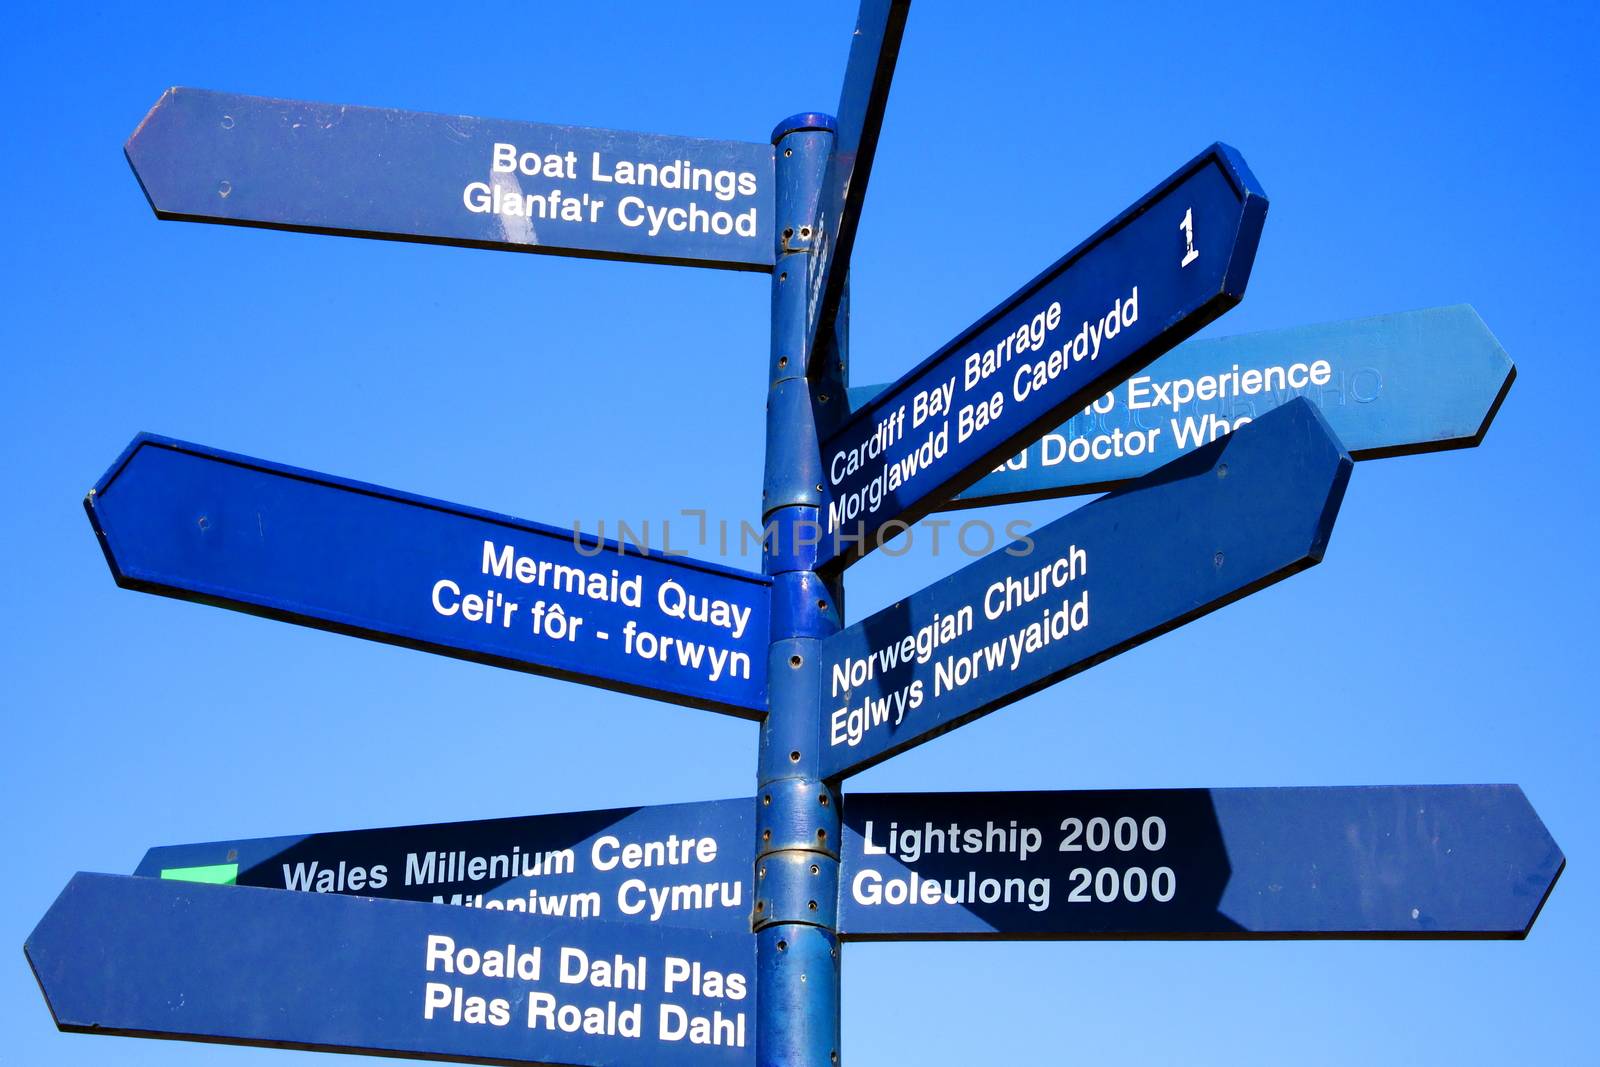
(874, 48)
(1390, 385)
(205, 156)
(1204, 530)
(196, 523)
(1466, 861)
(1222, 864)
(674, 864)
(145, 957)
(1168, 265)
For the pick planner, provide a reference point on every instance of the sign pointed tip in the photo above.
(1309, 466)
(1232, 161)
(150, 116)
(1496, 359)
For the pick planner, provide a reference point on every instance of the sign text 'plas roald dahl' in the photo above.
(1172, 262)
(1389, 385)
(163, 958)
(192, 522)
(1211, 526)
(206, 156)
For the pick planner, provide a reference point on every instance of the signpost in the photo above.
(1169, 264)
(1199, 533)
(200, 524)
(1390, 385)
(153, 958)
(203, 156)
(710, 933)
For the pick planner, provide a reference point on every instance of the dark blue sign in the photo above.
(677, 864)
(1391, 385)
(1371, 862)
(874, 48)
(1206, 529)
(192, 522)
(1377, 862)
(1151, 277)
(204, 156)
(150, 958)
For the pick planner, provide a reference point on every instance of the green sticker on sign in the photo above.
(216, 874)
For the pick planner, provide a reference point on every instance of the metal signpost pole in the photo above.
(797, 814)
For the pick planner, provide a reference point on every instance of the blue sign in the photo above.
(1373, 862)
(1168, 265)
(1377, 862)
(192, 522)
(874, 48)
(1390, 385)
(1208, 528)
(675, 865)
(151, 958)
(204, 156)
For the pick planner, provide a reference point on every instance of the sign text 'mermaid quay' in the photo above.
(196, 523)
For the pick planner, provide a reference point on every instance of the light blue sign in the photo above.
(204, 156)
(1390, 385)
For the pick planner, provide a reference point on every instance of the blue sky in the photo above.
(1413, 157)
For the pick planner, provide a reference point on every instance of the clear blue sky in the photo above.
(1414, 157)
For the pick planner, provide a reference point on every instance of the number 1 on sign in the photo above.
(1187, 226)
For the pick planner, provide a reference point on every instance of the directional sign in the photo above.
(192, 522)
(144, 957)
(204, 156)
(1151, 277)
(677, 864)
(1390, 385)
(874, 48)
(1380, 862)
(1208, 528)
(1370, 862)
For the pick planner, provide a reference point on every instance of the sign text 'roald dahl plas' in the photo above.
(354, 974)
